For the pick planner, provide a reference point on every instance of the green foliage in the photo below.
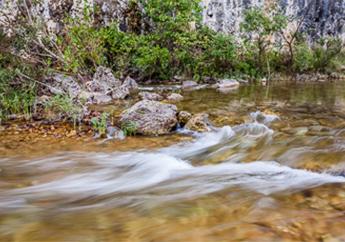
(82, 48)
(322, 56)
(259, 29)
(15, 99)
(65, 107)
(99, 124)
(171, 17)
(17, 96)
(129, 128)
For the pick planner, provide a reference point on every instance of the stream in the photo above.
(271, 169)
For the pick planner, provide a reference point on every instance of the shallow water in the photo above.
(273, 177)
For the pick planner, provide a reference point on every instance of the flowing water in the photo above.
(272, 169)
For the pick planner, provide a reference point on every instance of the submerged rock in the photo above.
(103, 81)
(150, 117)
(175, 97)
(150, 96)
(183, 117)
(199, 123)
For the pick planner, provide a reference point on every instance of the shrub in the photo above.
(100, 124)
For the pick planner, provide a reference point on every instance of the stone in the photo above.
(120, 93)
(100, 98)
(175, 97)
(189, 85)
(183, 117)
(151, 117)
(115, 133)
(227, 84)
(150, 96)
(199, 123)
(131, 84)
(103, 81)
(60, 84)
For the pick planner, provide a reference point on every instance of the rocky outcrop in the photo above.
(150, 117)
(320, 17)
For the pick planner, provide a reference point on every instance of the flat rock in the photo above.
(175, 97)
(150, 96)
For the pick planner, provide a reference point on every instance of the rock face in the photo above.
(320, 17)
(199, 123)
(151, 117)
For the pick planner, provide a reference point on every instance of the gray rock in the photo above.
(199, 123)
(100, 98)
(151, 117)
(183, 117)
(120, 93)
(103, 81)
(175, 97)
(189, 85)
(227, 84)
(60, 84)
(131, 84)
(115, 133)
(150, 96)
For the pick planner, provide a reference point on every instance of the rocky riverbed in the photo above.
(270, 167)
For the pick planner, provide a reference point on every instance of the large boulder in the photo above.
(150, 117)
(103, 81)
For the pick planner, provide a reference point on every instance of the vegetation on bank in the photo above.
(163, 40)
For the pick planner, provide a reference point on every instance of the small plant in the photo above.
(99, 124)
(64, 106)
(15, 98)
(129, 128)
